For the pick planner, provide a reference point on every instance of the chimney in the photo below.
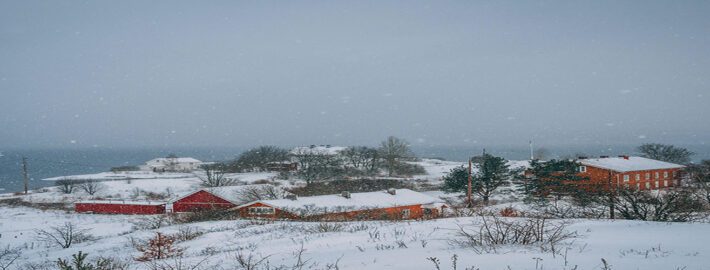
(625, 157)
(345, 194)
(292, 197)
(392, 191)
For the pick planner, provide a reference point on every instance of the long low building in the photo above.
(389, 204)
(120, 207)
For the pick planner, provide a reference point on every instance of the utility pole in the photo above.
(532, 156)
(24, 174)
(612, 197)
(469, 202)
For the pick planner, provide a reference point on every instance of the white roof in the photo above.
(357, 201)
(620, 164)
(123, 202)
(178, 160)
(317, 150)
(236, 194)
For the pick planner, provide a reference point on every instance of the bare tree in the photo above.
(256, 193)
(66, 186)
(699, 175)
(63, 235)
(8, 256)
(213, 176)
(666, 152)
(317, 165)
(258, 158)
(393, 150)
(91, 187)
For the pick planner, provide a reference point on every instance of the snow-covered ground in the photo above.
(353, 245)
(373, 244)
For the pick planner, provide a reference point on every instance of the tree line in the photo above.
(392, 158)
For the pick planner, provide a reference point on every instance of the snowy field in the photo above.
(372, 244)
(349, 245)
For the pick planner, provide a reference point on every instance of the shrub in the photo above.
(509, 212)
(159, 247)
(8, 256)
(493, 232)
(64, 235)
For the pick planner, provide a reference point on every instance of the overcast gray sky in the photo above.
(242, 73)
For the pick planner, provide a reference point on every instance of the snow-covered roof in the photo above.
(238, 194)
(177, 160)
(357, 201)
(123, 202)
(317, 150)
(621, 164)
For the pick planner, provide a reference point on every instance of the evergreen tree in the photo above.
(554, 177)
(491, 173)
(456, 180)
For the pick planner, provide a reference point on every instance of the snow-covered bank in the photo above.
(375, 244)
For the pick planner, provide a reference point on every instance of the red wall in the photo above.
(199, 201)
(118, 208)
(416, 212)
(601, 176)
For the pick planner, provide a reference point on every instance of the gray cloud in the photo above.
(132, 73)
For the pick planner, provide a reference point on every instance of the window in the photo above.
(665, 183)
(674, 174)
(406, 213)
(582, 168)
(638, 177)
(648, 176)
(648, 185)
(657, 175)
(665, 175)
(626, 178)
(261, 210)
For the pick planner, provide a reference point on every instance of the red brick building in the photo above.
(634, 172)
(120, 207)
(390, 204)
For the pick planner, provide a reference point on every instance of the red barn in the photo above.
(224, 197)
(635, 172)
(391, 204)
(120, 207)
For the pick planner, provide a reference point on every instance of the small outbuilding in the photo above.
(120, 207)
(388, 204)
(225, 197)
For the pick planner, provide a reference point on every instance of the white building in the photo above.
(172, 164)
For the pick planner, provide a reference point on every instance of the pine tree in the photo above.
(456, 180)
(492, 172)
(554, 177)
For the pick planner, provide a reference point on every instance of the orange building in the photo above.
(389, 204)
(631, 172)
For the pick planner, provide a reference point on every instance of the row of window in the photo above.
(261, 210)
(657, 184)
(656, 175)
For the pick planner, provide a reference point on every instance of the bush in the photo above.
(326, 227)
(79, 262)
(187, 233)
(159, 247)
(674, 205)
(64, 235)
(8, 256)
(493, 232)
(408, 169)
